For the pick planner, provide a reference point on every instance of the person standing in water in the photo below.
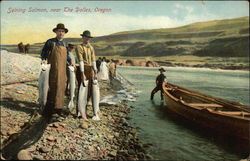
(87, 63)
(55, 53)
(159, 81)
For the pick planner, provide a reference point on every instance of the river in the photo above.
(172, 138)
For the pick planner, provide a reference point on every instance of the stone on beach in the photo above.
(11, 132)
(110, 137)
(84, 126)
(44, 149)
(51, 138)
(24, 155)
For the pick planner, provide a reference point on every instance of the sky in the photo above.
(32, 27)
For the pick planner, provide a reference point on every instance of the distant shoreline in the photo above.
(210, 66)
(136, 62)
(175, 62)
(243, 69)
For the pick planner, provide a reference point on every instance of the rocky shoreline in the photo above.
(68, 137)
(130, 62)
(134, 62)
(18, 67)
(206, 65)
(31, 70)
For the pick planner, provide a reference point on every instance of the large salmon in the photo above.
(72, 86)
(82, 99)
(43, 85)
(96, 99)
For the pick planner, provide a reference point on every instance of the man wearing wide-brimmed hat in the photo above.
(55, 53)
(87, 63)
(112, 69)
(159, 80)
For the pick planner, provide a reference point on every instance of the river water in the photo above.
(171, 137)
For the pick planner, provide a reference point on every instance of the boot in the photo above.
(152, 96)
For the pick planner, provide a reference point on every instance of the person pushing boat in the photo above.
(159, 81)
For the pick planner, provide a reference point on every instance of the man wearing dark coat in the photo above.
(55, 53)
(98, 63)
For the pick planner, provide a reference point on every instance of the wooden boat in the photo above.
(218, 114)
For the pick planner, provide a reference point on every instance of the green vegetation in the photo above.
(219, 38)
(234, 47)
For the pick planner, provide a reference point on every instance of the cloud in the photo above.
(103, 24)
(187, 8)
(199, 18)
(192, 14)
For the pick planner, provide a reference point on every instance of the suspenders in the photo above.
(53, 45)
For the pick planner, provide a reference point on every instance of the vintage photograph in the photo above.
(125, 80)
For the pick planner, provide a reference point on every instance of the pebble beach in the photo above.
(69, 137)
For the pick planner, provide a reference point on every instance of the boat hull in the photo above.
(225, 124)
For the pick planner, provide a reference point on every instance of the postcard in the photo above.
(125, 80)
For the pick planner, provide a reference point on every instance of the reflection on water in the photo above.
(171, 136)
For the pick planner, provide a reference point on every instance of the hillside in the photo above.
(201, 39)
(226, 47)
(218, 38)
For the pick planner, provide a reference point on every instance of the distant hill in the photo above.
(226, 47)
(223, 38)
(215, 25)
(220, 38)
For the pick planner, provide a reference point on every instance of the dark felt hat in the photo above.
(60, 26)
(162, 69)
(86, 33)
(71, 45)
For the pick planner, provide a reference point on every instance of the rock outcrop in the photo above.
(142, 63)
(22, 67)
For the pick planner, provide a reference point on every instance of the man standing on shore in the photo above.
(112, 69)
(55, 53)
(98, 63)
(70, 49)
(87, 62)
(159, 81)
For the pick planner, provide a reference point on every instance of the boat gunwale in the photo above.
(216, 98)
(208, 111)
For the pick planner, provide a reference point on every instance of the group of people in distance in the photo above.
(106, 68)
(60, 55)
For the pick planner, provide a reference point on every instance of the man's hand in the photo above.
(73, 65)
(95, 75)
(83, 78)
(44, 62)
